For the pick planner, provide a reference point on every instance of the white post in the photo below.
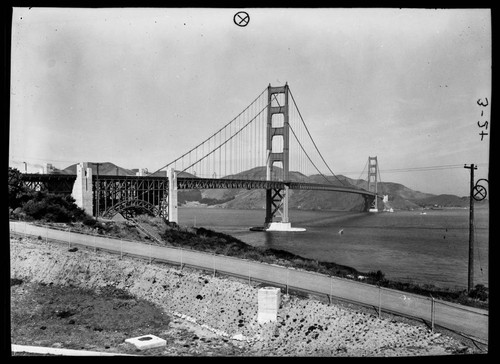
(181, 257)
(95, 245)
(121, 249)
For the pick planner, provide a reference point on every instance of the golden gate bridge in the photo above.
(266, 146)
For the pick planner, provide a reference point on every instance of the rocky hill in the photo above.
(105, 169)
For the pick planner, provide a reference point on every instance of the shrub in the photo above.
(377, 276)
(52, 207)
(89, 221)
(16, 188)
(479, 292)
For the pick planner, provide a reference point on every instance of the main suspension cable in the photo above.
(314, 143)
(225, 126)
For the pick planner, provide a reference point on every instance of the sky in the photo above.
(140, 87)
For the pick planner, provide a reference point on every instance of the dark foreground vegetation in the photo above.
(51, 208)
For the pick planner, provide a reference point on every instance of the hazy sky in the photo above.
(139, 87)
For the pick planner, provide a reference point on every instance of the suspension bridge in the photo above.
(267, 146)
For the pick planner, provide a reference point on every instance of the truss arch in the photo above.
(127, 206)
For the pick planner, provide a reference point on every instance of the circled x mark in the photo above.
(479, 193)
(241, 19)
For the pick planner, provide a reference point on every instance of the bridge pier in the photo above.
(82, 188)
(172, 196)
(370, 204)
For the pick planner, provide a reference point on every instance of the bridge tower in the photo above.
(372, 181)
(277, 127)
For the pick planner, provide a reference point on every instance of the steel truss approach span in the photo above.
(55, 183)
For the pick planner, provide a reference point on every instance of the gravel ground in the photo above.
(196, 313)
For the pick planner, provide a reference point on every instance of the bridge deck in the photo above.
(65, 182)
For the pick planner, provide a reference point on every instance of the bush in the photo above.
(479, 292)
(52, 207)
(89, 221)
(16, 188)
(377, 276)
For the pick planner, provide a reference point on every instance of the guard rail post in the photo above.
(213, 259)
(249, 277)
(287, 280)
(331, 292)
(432, 313)
(379, 302)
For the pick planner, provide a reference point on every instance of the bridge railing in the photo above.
(467, 320)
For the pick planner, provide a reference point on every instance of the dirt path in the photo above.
(95, 301)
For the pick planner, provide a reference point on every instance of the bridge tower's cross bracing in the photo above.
(372, 181)
(277, 199)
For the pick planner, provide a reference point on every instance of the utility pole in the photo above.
(470, 284)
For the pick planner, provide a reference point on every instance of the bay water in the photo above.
(408, 246)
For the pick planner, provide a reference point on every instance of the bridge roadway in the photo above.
(64, 183)
(467, 320)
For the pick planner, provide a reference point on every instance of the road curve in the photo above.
(470, 321)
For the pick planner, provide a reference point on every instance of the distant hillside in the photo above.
(444, 201)
(400, 197)
(105, 169)
(111, 169)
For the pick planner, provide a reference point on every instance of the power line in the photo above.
(420, 169)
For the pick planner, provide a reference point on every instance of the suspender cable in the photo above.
(379, 177)
(236, 134)
(257, 98)
(293, 99)
(308, 156)
(363, 170)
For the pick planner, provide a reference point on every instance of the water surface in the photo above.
(405, 245)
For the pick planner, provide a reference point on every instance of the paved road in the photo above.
(467, 320)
